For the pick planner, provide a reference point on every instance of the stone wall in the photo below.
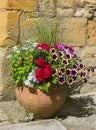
(76, 26)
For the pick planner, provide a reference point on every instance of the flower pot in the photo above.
(42, 104)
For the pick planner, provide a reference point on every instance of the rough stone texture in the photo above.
(73, 31)
(88, 53)
(79, 105)
(84, 12)
(88, 87)
(46, 8)
(91, 33)
(18, 4)
(3, 116)
(83, 123)
(9, 28)
(65, 3)
(64, 12)
(41, 125)
(2, 54)
(85, 3)
(6, 85)
(12, 111)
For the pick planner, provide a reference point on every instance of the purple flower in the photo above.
(70, 82)
(55, 57)
(75, 66)
(81, 66)
(61, 80)
(68, 72)
(53, 50)
(53, 72)
(65, 62)
(83, 74)
(92, 69)
(60, 74)
(60, 53)
(61, 47)
(74, 72)
(71, 50)
(74, 78)
(63, 70)
(68, 56)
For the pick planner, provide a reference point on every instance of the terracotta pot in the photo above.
(42, 104)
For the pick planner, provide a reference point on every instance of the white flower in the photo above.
(30, 78)
(27, 82)
(35, 44)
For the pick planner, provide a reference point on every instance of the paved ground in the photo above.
(78, 113)
(37, 125)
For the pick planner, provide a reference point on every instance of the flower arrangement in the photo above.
(40, 65)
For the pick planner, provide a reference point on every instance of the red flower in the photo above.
(43, 73)
(41, 62)
(47, 72)
(43, 46)
(40, 74)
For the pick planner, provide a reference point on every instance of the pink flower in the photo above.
(43, 46)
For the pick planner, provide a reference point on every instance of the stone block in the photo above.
(8, 28)
(85, 3)
(72, 31)
(65, 3)
(64, 12)
(18, 4)
(46, 7)
(91, 40)
(6, 85)
(88, 55)
(84, 12)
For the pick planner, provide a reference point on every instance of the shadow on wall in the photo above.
(8, 92)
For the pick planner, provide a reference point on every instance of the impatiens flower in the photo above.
(61, 80)
(74, 72)
(43, 46)
(41, 62)
(68, 72)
